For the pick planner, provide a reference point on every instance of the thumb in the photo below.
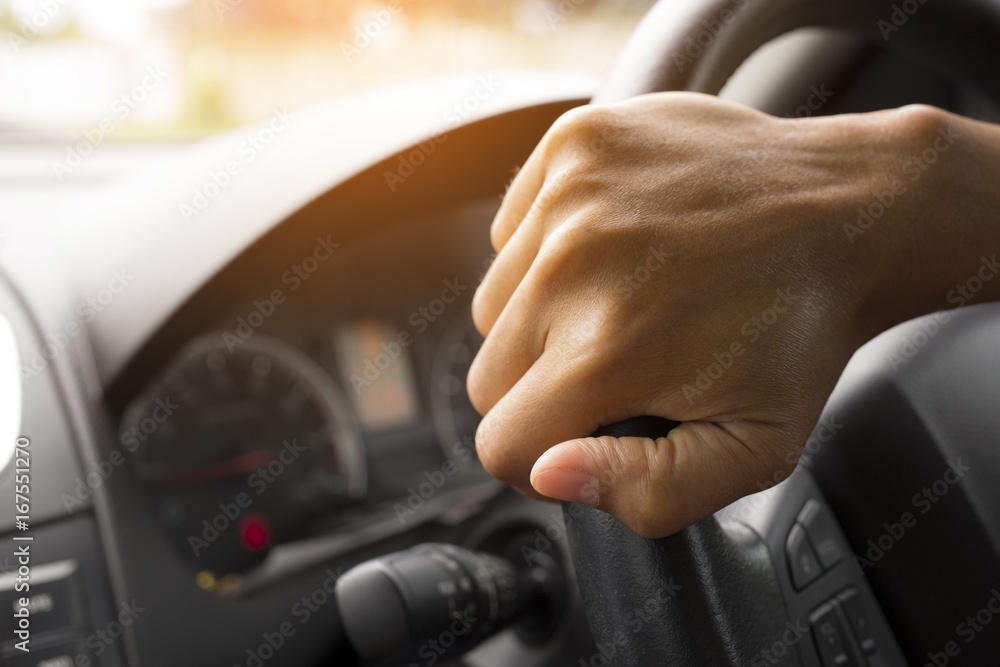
(658, 487)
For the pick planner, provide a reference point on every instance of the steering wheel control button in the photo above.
(858, 618)
(831, 640)
(54, 606)
(822, 533)
(54, 602)
(802, 560)
(67, 652)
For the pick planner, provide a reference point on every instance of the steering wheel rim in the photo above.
(696, 45)
(723, 601)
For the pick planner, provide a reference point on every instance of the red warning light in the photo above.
(255, 532)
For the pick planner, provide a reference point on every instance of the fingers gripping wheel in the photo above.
(706, 596)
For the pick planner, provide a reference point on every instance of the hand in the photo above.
(680, 256)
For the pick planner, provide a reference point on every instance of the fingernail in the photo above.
(572, 486)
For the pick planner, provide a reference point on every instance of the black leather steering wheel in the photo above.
(724, 601)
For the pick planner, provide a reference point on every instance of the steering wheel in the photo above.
(726, 600)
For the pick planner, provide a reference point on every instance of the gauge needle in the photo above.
(220, 469)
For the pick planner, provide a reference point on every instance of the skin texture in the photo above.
(685, 257)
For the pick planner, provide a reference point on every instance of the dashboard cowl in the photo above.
(173, 252)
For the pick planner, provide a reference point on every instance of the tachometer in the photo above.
(241, 447)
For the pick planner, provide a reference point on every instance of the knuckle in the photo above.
(481, 316)
(574, 194)
(920, 123)
(919, 115)
(571, 241)
(565, 124)
(575, 233)
(494, 458)
(475, 387)
(497, 235)
(573, 179)
(586, 126)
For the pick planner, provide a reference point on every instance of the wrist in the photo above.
(926, 226)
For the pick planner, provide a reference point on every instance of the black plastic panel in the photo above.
(911, 473)
(73, 613)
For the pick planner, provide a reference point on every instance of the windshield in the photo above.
(166, 70)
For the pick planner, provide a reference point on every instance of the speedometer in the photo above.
(240, 447)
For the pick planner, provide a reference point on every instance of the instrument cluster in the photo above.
(339, 402)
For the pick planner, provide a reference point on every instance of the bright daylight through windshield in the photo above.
(177, 69)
